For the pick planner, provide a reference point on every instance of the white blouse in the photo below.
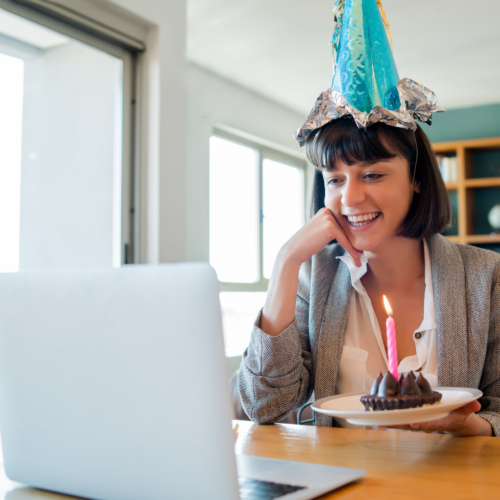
(364, 355)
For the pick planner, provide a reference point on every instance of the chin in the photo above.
(365, 243)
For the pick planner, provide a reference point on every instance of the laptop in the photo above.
(114, 386)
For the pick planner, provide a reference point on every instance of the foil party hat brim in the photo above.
(417, 103)
(366, 84)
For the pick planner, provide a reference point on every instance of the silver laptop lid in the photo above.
(113, 383)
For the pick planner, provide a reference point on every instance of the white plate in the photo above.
(349, 406)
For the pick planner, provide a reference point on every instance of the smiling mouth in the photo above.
(361, 220)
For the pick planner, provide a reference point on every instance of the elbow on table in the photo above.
(270, 411)
(268, 400)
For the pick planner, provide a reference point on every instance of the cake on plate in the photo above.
(388, 393)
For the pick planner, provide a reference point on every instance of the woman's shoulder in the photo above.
(480, 261)
(475, 260)
(478, 255)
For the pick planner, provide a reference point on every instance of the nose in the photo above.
(353, 193)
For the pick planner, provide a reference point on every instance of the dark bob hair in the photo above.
(341, 139)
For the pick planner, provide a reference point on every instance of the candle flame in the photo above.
(388, 307)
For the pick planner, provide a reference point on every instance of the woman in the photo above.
(378, 193)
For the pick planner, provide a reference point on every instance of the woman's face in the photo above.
(369, 200)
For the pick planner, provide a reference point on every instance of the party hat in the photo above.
(366, 83)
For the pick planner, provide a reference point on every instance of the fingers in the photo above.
(429, 427)
(328, 222)
(344, 242)
(472, 407)
(397, 427)
(456, 423)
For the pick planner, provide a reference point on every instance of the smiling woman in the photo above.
(378, 206)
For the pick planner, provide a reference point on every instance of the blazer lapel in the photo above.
(331, 322)
(450, 299)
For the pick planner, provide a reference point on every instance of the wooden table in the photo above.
(399, 465)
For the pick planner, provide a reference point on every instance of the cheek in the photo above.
(397, 204)
(331, 200)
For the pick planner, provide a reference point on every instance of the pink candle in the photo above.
(392, 348)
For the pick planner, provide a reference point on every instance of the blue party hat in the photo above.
(365, 71)
(366, 83)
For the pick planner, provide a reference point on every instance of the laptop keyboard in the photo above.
(254, 489)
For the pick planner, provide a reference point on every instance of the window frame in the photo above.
(263, 152)
(129, 202)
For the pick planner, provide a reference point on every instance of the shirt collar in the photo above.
(356, 272)
(429, 321)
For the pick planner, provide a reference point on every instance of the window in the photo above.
(65, 145)
(256, 204)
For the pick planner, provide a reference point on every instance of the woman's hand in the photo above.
(315, 235)
(460, 422)
(279, 309)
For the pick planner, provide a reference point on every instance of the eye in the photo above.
(333, 181)
(373, 177)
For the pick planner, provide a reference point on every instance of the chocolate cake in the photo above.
(410, 392)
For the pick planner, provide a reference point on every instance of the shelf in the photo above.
(482, 238)
(448, 147)
(483, 182)
(475, 192)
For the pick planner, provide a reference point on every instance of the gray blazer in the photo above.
(279, 374)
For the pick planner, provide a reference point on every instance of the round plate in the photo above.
(349, 406)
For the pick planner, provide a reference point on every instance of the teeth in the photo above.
(362, 218)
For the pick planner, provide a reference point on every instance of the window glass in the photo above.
(239, 310)
(283, 205)
(249, 193)
(234, 211)
(60, 155)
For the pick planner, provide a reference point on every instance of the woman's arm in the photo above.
(276, 371)
(279, 309)
(275, 375)
(490, 379)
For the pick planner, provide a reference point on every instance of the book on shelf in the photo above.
(448, 166)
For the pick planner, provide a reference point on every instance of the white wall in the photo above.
(214, 101)
(164, 119)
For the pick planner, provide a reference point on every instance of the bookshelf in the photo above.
(476, 190)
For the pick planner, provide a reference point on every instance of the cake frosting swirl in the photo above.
(387, 393)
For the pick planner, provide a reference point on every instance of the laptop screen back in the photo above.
(113, 383)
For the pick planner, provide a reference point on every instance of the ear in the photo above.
(416, 187)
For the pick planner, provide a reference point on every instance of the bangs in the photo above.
(341, 140)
